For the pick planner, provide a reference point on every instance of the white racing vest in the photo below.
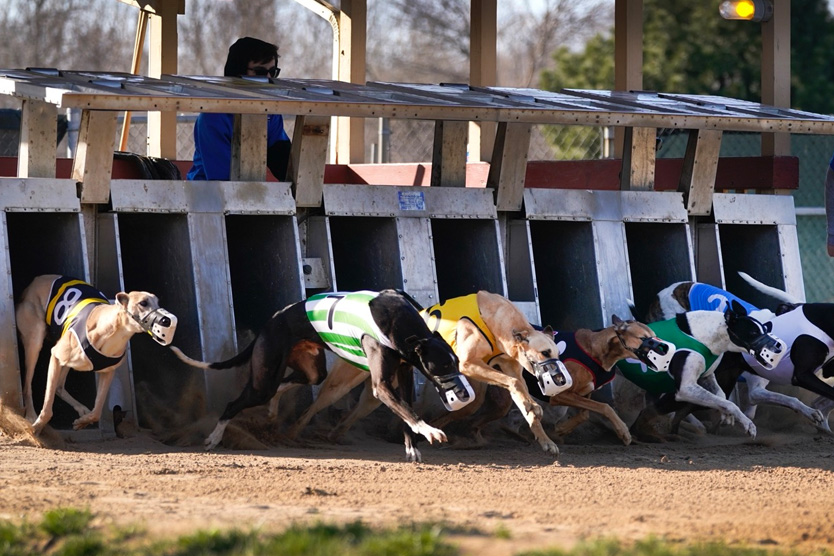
(341, 319)
(789, 326)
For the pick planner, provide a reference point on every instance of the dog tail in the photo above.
(775, 293)
(235, 361)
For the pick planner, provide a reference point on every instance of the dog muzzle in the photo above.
(656, 353)
(553, 377)
(768, 351)
(160, 324)
(455, 391)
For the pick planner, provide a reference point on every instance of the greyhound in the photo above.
(480, 328)
(376, 332)
(92, 336)
(590, 356)
(701, 337)
(810, 374)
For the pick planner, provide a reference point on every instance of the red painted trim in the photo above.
(734, 173)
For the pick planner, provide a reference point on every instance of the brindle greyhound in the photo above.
(92, 336)
(483, 327)
(378, 332)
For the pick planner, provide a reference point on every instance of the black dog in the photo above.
(381, 332)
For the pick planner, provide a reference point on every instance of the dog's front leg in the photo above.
(62, 393)
(509, 377)
(383, 363)
(105, 379)
(687, 367)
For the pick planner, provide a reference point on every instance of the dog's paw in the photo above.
(83, 422)
(625, 437)
(550, 447)
(432, 434)
(413, 455)
(749, 428)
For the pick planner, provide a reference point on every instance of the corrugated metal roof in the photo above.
(444, 101)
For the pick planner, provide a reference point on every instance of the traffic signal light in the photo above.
(750, 10)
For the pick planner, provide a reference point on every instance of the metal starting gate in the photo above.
(224, 256)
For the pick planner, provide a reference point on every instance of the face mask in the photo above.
(455, 391)
(160, 324)
(553, 377)
(656, 353)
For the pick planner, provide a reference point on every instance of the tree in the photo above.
(689, 48)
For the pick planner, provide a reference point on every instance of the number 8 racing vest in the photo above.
(70, 302)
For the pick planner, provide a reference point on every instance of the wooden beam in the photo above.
(700, 166)
(162, 126)
(449, 153)
(249, 144)
(352, 41)
(509, 165)
(94, 155)
(776, 72)
(628, 55)
(308, 158)
(483, 37)
(639, 153)
(38, 136)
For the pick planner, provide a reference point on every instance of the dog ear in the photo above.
(520, 335)
(549, 331)
(123, 299)
(615, 320)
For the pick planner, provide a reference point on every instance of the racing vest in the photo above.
(570, 350)
(704, 297)
(70, 303)
(662, 382)
(341, 319)
(789, 326)
(443, 318)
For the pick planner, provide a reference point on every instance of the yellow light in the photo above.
(749, 10)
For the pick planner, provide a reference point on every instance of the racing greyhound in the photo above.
(700, 338)
(813, 370)
(480, 327)
(92, 336)
(378, 332)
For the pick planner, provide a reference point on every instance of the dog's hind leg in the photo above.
(364, 406)
(32, 327)
(341, 379)
(758, 394)
(53, 379)
(587, 404)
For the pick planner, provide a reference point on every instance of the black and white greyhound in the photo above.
(380, 332)
(700, 338)
(807, 330)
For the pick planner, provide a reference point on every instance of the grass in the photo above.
(72, 532)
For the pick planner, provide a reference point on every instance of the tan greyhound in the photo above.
(92, 336)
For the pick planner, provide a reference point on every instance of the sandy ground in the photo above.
(774, 491)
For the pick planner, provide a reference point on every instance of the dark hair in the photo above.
(247, 50)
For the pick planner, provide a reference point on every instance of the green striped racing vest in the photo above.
(341, 319)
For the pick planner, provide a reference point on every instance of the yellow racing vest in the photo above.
(443, 318)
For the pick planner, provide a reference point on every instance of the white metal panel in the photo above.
(732, 208)
(414, 202)
(39, 195)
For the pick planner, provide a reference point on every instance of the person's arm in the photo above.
(278, 149)
(829, 209)
(213, 137)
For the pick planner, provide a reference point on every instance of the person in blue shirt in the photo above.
(829, 206)
(213, 131)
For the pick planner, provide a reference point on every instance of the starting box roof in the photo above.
(445, 101)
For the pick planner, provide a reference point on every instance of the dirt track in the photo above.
(777, 490)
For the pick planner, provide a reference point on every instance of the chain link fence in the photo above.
(408, 141)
